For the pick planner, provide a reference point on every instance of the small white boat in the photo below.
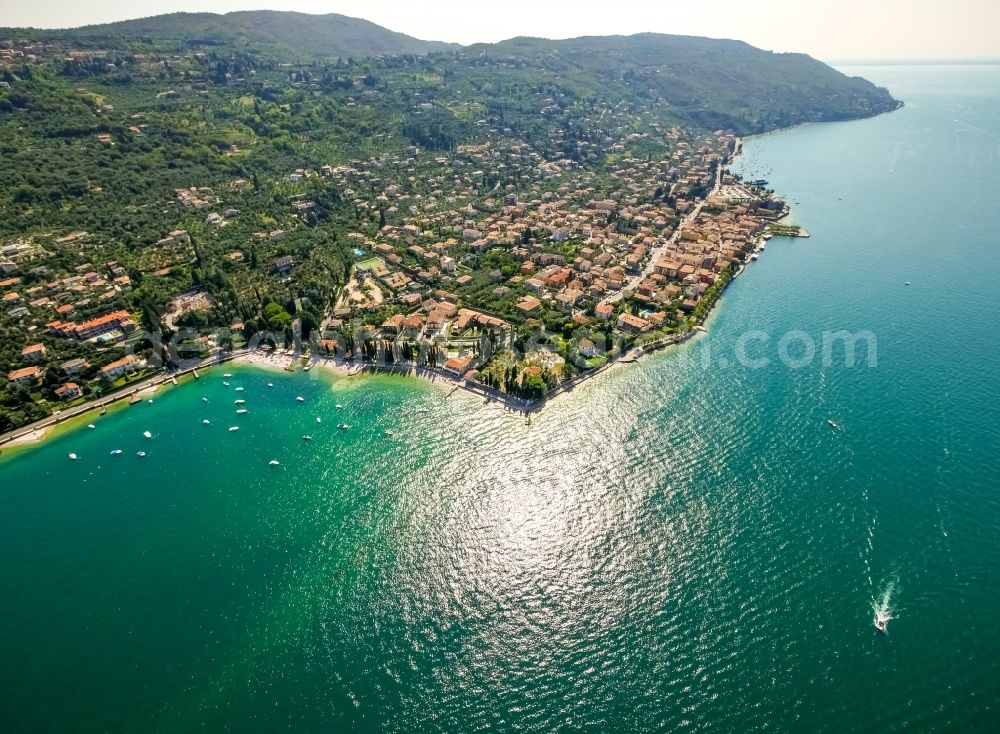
(206, 421)
(239, 389)
(91, 425)
(300, 399)
(225, 383)
(273, 462)
(318, 419)
(833, 424)
(241, 411)
(270, 384)
(343, 426)
(881, 622)
(307, 438)
(116, 452)
(140, 454)
(234, 428)
(74, 457)
(907, 282)
(239, 402)
(339, 406)
(204, 400)
(227, 375)
(147, 434)
(150, 400)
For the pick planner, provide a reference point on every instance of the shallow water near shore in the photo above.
(681, 544)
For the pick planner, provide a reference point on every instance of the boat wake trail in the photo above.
(882, 606)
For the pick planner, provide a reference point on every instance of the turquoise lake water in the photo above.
(680, 545)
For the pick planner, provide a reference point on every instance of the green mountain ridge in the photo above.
(288, 32)
(709, 83)
(714, 83)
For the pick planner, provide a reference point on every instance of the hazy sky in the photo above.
(828, 29)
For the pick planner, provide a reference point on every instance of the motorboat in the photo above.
(343, 426)
(241, 411)
(274, 462)
(239, 402)
(318, 419)
(239, 389)
(206, 421)
(307, 438)
(140, 454)
(881, 622)
(91, 425)
(147, 434)
(74, 457)
(227, 375)
(833, 424)
(116, 452)
(234, 428)
(300, 399)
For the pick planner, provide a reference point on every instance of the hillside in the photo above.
(193, 172)
(711, 83)
(296, 34)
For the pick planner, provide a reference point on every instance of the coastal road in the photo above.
(110, 398)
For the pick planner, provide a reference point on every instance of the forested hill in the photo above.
(282, 33)
(709, 83)
(712, 83)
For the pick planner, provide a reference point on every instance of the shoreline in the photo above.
(288, 361)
